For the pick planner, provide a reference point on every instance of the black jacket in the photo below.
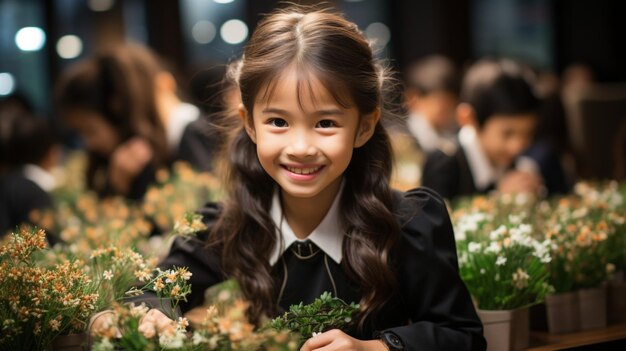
(449, 175)
(431, 310)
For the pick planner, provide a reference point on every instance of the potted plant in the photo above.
(504, 268)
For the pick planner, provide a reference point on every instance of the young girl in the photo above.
(310, 209)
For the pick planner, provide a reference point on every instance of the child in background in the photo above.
(125, 106)
(32, 151)
(431, 96)
(310, 208)
(498, 112)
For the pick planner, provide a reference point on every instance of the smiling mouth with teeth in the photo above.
(303, 170)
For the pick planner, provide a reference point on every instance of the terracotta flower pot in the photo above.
(505, 330)
(592, 308)
(563, 313)
(72, 342)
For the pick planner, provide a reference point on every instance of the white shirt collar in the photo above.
(328, 235)
(182, 115)
(39, 176)
(482, 171)
(426, 135)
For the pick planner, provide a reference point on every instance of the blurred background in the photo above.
(39, 39)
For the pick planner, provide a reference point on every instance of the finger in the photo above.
(315, 342)
(321, 340)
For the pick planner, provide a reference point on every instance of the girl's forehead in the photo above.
(306, 88)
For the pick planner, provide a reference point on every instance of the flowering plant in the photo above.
(586, 242)
(224, 328)
(501, 263)
(113, 270)
(38, 303)
(177, 193)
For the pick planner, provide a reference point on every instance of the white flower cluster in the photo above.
(469, 223)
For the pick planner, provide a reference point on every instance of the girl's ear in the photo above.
(247, 123)
(465, 115)
(367, 125)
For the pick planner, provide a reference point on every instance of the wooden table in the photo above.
(542, 341)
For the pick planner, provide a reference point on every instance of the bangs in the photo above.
(332, 86)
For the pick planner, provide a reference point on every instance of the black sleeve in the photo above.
(198, 145)
(441, 309)
(204, 264)
(21, 197)
(441, 174)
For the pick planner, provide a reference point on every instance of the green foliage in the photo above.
(325, 313)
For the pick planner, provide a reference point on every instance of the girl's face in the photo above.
(98, 135)
(306, 147)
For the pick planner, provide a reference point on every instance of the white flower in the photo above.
(473, 247)
(183, 323)
(520, 278)
(542, 251)
(174, 340)
(483, 271)
(501, 261)
(198, 338)
(514, 219)
(54, 324)
(138, 311)
(498, 233)
(494, 247)
(107, 275)
(459, 234)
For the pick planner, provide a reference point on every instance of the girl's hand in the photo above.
(336, 340)
(155, 322)
(101, 324)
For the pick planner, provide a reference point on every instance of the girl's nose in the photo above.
(301, 146)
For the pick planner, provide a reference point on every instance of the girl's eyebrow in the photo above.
(323, 112)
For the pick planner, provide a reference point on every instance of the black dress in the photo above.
(431, 310)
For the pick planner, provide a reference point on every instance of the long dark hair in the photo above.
(117, 83)
(328, 46)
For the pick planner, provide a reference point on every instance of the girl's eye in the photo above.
(326, 124)
(277, 122)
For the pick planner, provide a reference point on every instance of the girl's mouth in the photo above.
(297, 170)
(303, 173)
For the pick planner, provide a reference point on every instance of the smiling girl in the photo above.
(310, 208)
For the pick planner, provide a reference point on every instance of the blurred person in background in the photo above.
(498, 112)
(125, 106)
(32, 152)
(551, 148)
(11, 107)
(431, 95)
(216, 92)
(431, 98)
